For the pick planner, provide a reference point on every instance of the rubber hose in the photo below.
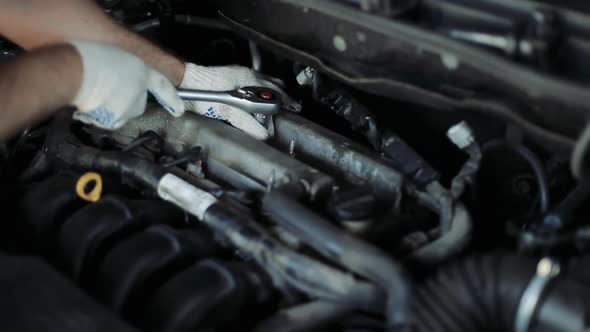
(484, 293)
(305, 274)
(480, 293)
(127, 166)
(348, 251)
(449, 244)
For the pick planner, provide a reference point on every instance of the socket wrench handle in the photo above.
(255, 100)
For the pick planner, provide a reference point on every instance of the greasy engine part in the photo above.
(356, 163)
(200, 227)
(140, 260)
(337, 153)
(287, 267)
(225, 145)
(345, 249)
(232, 150)
(236, 151)
(393, 148)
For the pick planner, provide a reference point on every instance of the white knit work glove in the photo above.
(226, 79)
(115, 87)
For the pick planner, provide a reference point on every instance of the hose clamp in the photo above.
(547, 270)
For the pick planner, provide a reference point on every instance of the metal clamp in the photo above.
(547, 270)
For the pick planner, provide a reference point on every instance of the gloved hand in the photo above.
(226, 79)
(115, 87)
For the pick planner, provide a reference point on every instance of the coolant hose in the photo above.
(350, 252)
(451, 212)
(485, 292)
(448, 244)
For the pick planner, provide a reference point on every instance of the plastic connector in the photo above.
(461, 135)
(306, 76)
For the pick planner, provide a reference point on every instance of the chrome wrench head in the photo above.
(255, 100)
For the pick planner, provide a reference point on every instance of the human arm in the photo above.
(63, 20)
(37, 23)
(35, 85)
(108, 86)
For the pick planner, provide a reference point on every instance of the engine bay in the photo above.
(365, 210)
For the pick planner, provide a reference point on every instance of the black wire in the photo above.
(535, 164)
(193, 154)
(145, 138)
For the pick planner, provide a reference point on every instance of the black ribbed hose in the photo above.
(483, 293)
(480, 293)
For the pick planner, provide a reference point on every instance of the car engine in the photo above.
(392, 197)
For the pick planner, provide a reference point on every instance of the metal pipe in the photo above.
(346, 250)
(339, 154)
(226, 145)
(232, 177)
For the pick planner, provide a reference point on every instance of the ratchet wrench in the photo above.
(256, 100)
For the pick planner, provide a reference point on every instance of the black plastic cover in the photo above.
(36, 298)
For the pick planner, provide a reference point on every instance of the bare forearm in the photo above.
(37, 84)
(35, 23)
